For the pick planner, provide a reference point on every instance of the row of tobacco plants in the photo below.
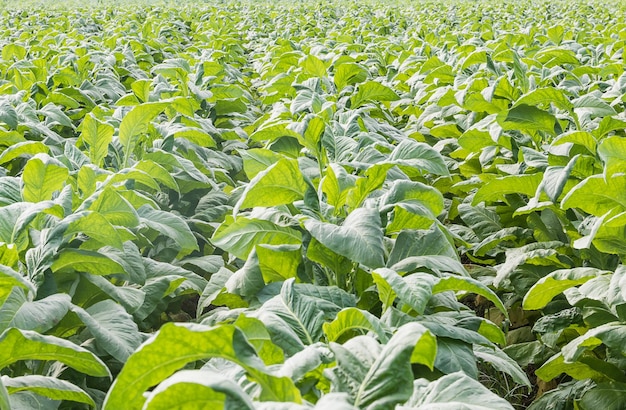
(346, 206)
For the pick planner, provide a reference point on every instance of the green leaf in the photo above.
(468, 284)
(280, 183)
(496, 189)
(51, 387)
(606, 396)
(10, 278)
(295, 317)
(97, 135)
(360, 238)
(415, 290)
(557, 365)
(176, 345)
(612, 151)
(500, 361)
(42, 176)
(416, 158)
(377, 376)
(113, 328)
(16, 345)
(598, 196)
(170, 225)
(26, 148)
(349, 73)
(188, 389)
(556, 282)
(240, 236)
(372, 91)
(278, 262)
(544, 97)
(454, 391)
(80, 260)
(110, 204)
(527, 118)
(135, 123)
(94, 225)
(4, 397)
(40, 315)
(351, 319)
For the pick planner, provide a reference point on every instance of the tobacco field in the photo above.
(313, 205)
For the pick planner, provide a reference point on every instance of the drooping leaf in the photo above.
(359, 238)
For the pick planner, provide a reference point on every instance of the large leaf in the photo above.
(97, 135)
(372, 91)
(42, 176)
(135, 123)
(18, 345)
(240, 236)
(176, 345)
(359, 238)
(280, 183)
(113, 328)
(188, 389)
(51, 387)
(170, 225)
(295, 317)
(376, 376)
(556, 282)
(453, 391)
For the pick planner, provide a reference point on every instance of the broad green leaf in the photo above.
(256, 160)
(80, 260)
(496, 189)
(10, 278)
(51, 387)
(113, 328)
(415, 290)
(544, 97)
(42, 176)
(372, 180)
(609, 395)
(557, 365)
(39, 315)
(135, 123)
(612, 151)
(176, 345)
(110, 204)
(26, 148)
(280, 183)
(527, 118)
(188, 389)
(97, 135)
(454, 355)
(376, 376)
(372, 91)
(16, 345)
(359, 238)
(349, 73)
(556, 282)
(295, 317)
(240, 236)
(598, 196)
(414, 193)
(4, 397)
(94, 225)
(432, 242)
(416, 158)
(278, 262)
(453, 391)
(170, 225)
(352, 319)
(500, 361)
(468, 284)
(593, 105)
